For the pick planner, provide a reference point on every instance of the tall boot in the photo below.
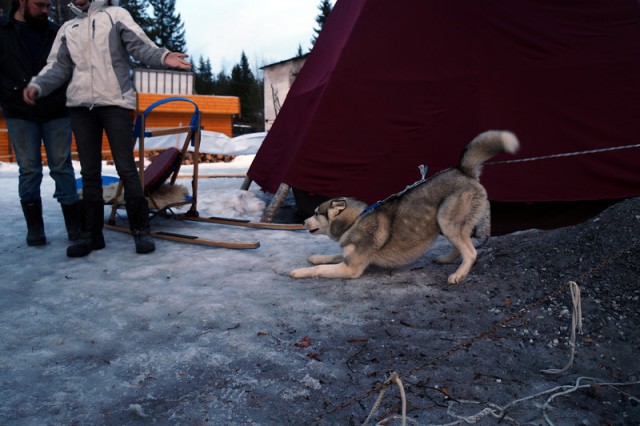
(73, 220)
(138, 214)
(91, 237)
(32, 210)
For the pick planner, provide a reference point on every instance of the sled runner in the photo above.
(191, 239)
(245, 223)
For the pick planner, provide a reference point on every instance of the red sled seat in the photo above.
(161, 169)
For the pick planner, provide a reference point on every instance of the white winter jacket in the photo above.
(93, 51)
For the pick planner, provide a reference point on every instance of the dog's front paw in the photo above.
(301, 273)
(316, 259)
(323, 259)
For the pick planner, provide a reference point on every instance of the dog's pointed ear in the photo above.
(336, 207)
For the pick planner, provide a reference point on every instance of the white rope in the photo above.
(576, 323)
(389, 419)
(376, 405)
(575, 387)
(394, 378)
(499, 412)
(491, 410)
(403, 397)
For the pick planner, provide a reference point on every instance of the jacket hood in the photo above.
(93, 5)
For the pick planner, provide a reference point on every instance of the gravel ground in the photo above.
(491, 336)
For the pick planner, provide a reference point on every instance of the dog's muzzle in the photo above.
(311, 225)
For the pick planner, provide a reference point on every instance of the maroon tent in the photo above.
(392, 85)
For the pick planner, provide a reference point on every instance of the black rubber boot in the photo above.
(138, 214)
(73, 220)
(91, 237)
(32, 210)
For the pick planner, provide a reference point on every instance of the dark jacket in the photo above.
(17, 66)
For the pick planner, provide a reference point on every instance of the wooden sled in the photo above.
(167, 165)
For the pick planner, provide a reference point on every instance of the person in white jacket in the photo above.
(91, 52)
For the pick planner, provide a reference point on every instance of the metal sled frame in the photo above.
(192, 138)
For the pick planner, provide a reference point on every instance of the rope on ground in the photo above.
(394, 378)
(566, 154)
(488, 332)
(576, 323)
(500, 412)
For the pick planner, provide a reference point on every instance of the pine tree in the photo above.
(244, 85)
(241, 74)
(60, 11)
(139, 10)
(241, 81)
(325, 9)
(167, 29)
(222, 84)
(204, 77)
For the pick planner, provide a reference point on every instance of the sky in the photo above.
(268, 31)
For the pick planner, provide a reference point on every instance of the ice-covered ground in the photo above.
(195, 335)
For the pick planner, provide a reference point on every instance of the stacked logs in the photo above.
(188, 160)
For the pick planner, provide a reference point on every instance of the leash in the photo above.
(566, 154)
(423, 170)
(423, 173)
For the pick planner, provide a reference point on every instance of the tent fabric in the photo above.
(392, 85)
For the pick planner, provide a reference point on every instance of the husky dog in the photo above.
(401, 228)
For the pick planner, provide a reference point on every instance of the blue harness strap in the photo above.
(371, 207)
(423, 173)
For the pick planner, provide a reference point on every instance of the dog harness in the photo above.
(423, 173)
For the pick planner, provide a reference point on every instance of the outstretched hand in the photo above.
(29, 95)
(175, 60)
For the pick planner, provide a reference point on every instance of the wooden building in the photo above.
(217, 116)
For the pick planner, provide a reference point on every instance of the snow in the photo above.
(211, 143)
(199, 335)
(105, 336)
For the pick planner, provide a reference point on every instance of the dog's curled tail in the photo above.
(483, 147)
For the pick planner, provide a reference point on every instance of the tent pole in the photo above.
(246, 183)
(275, 203)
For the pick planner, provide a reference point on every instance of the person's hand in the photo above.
(29, 95)
(175, 60)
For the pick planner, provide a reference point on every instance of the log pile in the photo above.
(188, 160)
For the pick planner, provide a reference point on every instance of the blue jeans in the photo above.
(27, 138)
(88, 126)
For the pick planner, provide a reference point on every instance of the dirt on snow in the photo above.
(323, 350)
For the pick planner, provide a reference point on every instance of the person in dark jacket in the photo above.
(26, 37)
